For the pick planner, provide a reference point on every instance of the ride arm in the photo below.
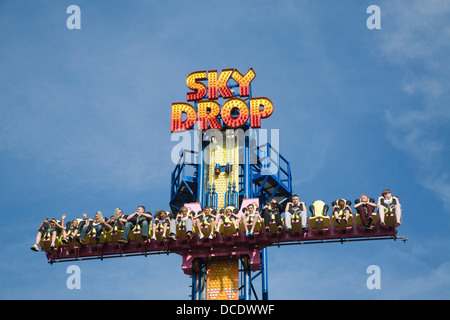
(313, 212)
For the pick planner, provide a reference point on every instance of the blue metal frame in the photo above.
(180, 179)
(210, 196)
(200, 171)
(198, 291)
(231, 196)
(254, 182)
(281, 183)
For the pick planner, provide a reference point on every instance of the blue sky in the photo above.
(86, 127)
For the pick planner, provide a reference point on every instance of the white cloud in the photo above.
(416, 39)
(432, 282)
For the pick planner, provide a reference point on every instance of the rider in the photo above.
(389, 203)
(295, 207)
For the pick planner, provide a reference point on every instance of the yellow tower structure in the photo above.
(222, 281)
(224, 166)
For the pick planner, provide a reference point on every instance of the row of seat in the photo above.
(317, 223)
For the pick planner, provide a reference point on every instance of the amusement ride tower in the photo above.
(225, 162)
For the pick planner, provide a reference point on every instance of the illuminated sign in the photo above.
(208, 114)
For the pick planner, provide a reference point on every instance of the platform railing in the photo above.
(184, 171)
